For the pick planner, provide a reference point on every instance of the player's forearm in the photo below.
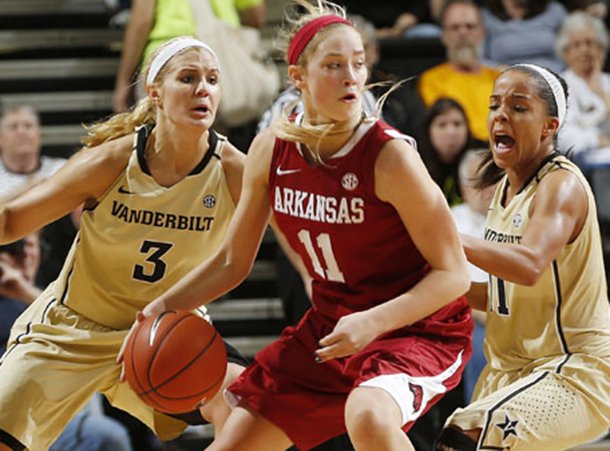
(512, 262)
(437, 289)
(136, 37)
(208, 281)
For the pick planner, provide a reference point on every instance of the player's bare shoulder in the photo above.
(260, 154)
(397, 156)
(111, 154)
(99, 166)
(233, 159)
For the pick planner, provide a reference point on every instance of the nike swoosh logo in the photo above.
(124, 191)
(280, 171)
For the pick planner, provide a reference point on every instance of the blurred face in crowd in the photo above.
(20, 141)
(449, 134)
(583, 52)
(462, 35)
(25, 259)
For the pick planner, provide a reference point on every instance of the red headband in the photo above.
(307, 32)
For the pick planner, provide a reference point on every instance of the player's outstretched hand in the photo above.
(351, 333)
(119, 359)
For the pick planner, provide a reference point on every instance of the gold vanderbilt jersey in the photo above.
(142, 237)
(567, 311)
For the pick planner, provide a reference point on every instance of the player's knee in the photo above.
(454, 439)
(365, 423)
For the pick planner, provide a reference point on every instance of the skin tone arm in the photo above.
(477, 296)
(234, 259)
(557, 216)
(136, 36)
(84, 178)
(233, 162)
(402, 180)
(254, 16)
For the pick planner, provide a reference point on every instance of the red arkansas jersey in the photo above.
(355, 246)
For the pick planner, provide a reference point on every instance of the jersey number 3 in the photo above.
(332, 271)
(155, 270)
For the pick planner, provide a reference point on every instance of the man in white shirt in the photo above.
(22, 166)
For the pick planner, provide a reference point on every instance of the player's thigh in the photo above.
(217, 409)
(542, 411)
(247, 431)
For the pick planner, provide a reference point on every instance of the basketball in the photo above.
(174, 361)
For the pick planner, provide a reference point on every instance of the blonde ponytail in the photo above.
(121, 124)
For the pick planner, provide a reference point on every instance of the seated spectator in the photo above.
(523, 31)
(394, 19)
(596, 8)
(583, 43)
(464, 77)
(153, 22)
(445, 138)
(90, 430)
(21, 164)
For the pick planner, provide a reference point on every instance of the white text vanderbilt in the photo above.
(316, 207)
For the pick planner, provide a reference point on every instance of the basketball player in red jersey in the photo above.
(388, 333)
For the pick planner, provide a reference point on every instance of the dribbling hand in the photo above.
(119, 359)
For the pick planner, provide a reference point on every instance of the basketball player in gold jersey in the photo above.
(159, 187)
(547, 382)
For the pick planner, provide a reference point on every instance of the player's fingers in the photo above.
(122, 374)
(119, 358)
(331, 338)
(330, 352)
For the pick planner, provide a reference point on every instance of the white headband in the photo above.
(558, 92)
(170, 50)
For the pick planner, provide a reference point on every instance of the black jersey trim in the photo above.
(143, 135)
(28, 330)
(534, 176)
(10, 441)
(142, 139)
(504, 400)
(557, 283)
(213, 142)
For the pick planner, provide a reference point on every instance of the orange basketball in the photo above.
(174, 361)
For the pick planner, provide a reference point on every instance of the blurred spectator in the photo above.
(464, 77)
(19, 263)
(153, 22)
(90, 429)
(21, 164)
(523, 31)
(582, 42)
(596, 8)
(401, 109)
(445, 138)
(470, 220)
(397, 18)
